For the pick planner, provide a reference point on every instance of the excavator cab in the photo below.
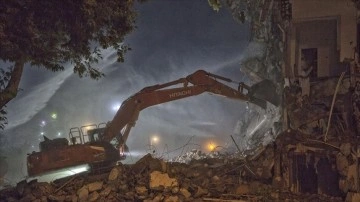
(95, 133)
(87, 134)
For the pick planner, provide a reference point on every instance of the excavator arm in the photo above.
(194, 84)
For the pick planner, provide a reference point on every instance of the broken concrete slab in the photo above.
(95, 186)
(160, 180)
(83, 193)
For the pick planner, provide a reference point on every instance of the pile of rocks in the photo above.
(348, 168)
(197, 154)
(151, 179)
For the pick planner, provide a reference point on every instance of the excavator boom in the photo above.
(194, 84)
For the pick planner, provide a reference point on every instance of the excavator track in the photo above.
(101, 167)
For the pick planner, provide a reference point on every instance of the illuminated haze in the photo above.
(172, 40)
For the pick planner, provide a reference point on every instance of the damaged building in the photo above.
(319, 150)
(320, 45)
(314, 46)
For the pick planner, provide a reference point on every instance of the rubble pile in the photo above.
(309, 114)
(196, 154)
(151, 179)
(306, 164)
(348, 167)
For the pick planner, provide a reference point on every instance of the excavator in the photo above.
(103, 145)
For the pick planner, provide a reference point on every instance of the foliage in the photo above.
(51, 33)
(5, 75)
(215, 4)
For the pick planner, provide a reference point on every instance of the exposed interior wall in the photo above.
(320, 35)
(308, 16)
(305, 10)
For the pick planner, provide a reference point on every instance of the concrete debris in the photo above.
(352, 197)
(95, 186)
(160, 180)
(345, 149)
(114, 173)
(83, 193)
(309, 114)
(243, 189)
(204, 179)
(93, 196)
(171, 199)
(185, 193)
(195, 154)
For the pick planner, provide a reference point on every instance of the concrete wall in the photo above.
(344, 10)
(322, 35)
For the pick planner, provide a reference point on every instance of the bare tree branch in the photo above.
(12, 87)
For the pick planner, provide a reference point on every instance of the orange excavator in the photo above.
(105, 145)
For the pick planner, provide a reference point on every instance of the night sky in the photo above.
(172, 39)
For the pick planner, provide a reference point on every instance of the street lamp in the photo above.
(211, 146)
(54, 116)
(153, 140)
(115, 107)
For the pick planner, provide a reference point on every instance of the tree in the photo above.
(50, 33)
